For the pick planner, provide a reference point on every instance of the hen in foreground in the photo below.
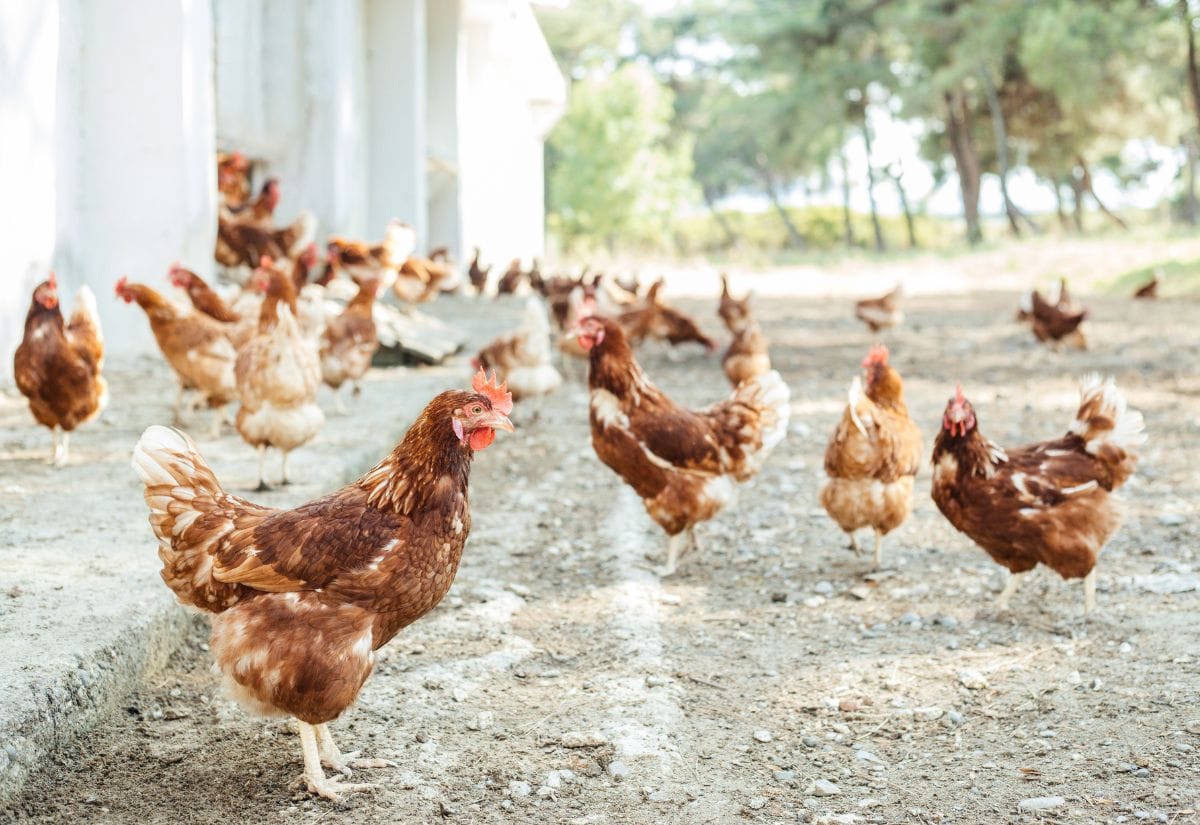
(1044, 503)
(303, 598)
(57, 365)
(873, 455)
(682, 463)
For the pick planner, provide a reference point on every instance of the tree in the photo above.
(615, 176)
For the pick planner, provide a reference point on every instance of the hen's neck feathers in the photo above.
(154, 304)
(426, 467)
(886, 389)
(40, 317)
(614, 368)
(973, 453)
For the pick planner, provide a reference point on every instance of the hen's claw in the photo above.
(332, 788)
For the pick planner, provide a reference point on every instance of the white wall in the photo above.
(512, 93)
(291, 91)
(396, 93)
(137, 185)
(28, 74)
(445, 77)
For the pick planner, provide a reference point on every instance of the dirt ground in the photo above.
(774, 679)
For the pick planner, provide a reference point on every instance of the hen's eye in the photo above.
(476, 410)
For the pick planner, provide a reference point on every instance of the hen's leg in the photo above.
(283, 482)
(878, 549)
(314, 778)
(63, 456)
(357, 391)
(1010, 587)
(674, 544)
(693, 542)
(339, 406)
(1089, 592)
(218, 420)
(853, 542)
(262, 475)
(344, 763)
(55, 445)
(177, 411)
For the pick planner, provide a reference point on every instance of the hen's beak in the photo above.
(499, 421)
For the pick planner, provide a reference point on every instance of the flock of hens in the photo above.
(303, 598)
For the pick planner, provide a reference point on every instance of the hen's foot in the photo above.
(332, 788)
(262, 487)
(347, 763)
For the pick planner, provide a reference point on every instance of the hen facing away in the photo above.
(1047, 503)
(278, 373)
(747, 356)
(521, 358)
(304, 598)
(872, 458)
(883, 312)
(57, 365)
(684, 464)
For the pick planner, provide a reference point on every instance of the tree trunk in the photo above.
(1191, 208)
(897, 177)
(1059, 205)
(1193, 73)
(966, 159)
(731, 238)
(1085, 182)
(847, 224)
(795, 239)
(1001, 135)
(1077, 203)
(880, 246)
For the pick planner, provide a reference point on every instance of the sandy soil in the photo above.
(774, 679)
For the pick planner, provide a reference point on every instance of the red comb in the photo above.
(878, 354)
(959, 398)
(265, 261)
(498, 394)
(52, 280)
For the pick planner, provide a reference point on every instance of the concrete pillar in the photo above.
(135, 148)
(396, 145)
(28, 73)
(444, 82)
(333, 169)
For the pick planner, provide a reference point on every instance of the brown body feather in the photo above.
(873, 456)
(1045, 503)
(682, 463)
(304, 597)
(57, 366)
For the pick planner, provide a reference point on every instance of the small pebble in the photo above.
(757, 803)
(1041, 803)
(763, 736)
(519, 789)
(972, 679)
(618, 770)
(823, 787)
(784, 776)
(1171, 520)
(583, 739)
(824, 588)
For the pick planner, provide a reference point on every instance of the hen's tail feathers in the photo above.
(181, 489)
(400, 240)
(304, 232)
(1110, 430)
(85, 315)
(772, 397)
(853, 399)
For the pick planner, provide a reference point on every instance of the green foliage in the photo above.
(755, 96)
(615, 176)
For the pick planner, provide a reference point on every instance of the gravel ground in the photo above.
(774, 679)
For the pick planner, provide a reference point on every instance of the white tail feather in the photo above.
(1128, 430)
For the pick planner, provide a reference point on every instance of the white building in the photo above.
(111, 112)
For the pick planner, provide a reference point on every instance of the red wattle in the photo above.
(481, 438)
